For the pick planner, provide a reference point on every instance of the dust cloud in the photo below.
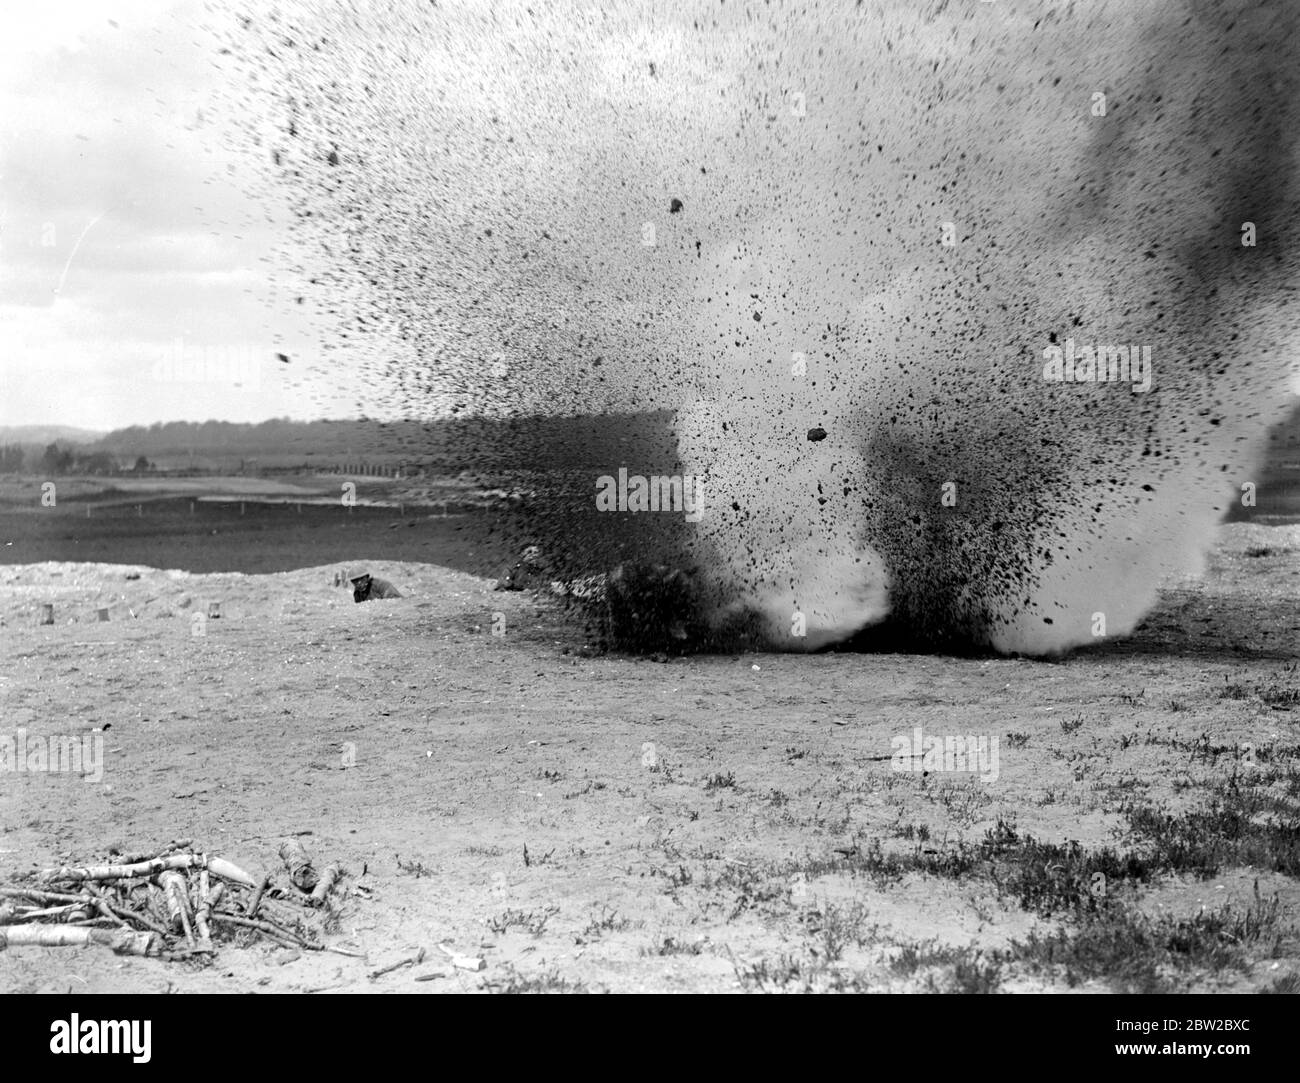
(972, 317)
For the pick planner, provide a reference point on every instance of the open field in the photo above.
(261, 525)
(588, 821)
(265, 537)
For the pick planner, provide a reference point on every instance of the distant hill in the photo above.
(469, 444)
(590, 438)
(47, 434)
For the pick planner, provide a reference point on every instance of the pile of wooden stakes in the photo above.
(170, 903)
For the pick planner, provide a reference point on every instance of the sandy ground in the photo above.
(593, 821)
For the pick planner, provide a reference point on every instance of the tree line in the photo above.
(57, 461)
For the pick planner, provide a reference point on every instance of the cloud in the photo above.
(124, 226)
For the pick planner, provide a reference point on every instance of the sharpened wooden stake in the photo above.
(257, 899)
(122, 941)
(328, 879)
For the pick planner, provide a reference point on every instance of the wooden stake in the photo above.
(266, 927)
(149, 855)
(301, 872)
(257, 899)
(178, 904)
(328, 879)
(117, 872)
(201, 914)
(122, 941)
(40, 896)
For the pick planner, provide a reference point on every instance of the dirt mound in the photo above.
(79, 591)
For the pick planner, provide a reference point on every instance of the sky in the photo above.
(134, 272)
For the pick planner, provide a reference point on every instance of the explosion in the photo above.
(973, 317)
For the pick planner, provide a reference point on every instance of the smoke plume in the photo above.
(970, 316)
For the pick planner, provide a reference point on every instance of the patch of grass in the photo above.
(412, 868)
(965, 969)
(1276, 695)
(664, 769)
(1120, 953)
(1177, 705)
(763, 975)
(1201, 750)
(607, 922)
(670, 946)
(964, 801)
(793, 754)
(1134, 953)
(533, 859)
(1017, 740)
(1231, 829)
(888, 868)
(1259, 551)
(923, 954)
(1069, 725)
(789, 974)
(837, 927)
(1234, 690)
(968, 976)
(1287, 984)
(532, 921)
(667, 846)
(1045, 878)
(917, 832)
(681, 877)
(549, 982)
(1048, 878)
(777, 798)
(720, 782)
(591, 787)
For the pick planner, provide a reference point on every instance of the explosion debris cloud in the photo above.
(765, 223)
